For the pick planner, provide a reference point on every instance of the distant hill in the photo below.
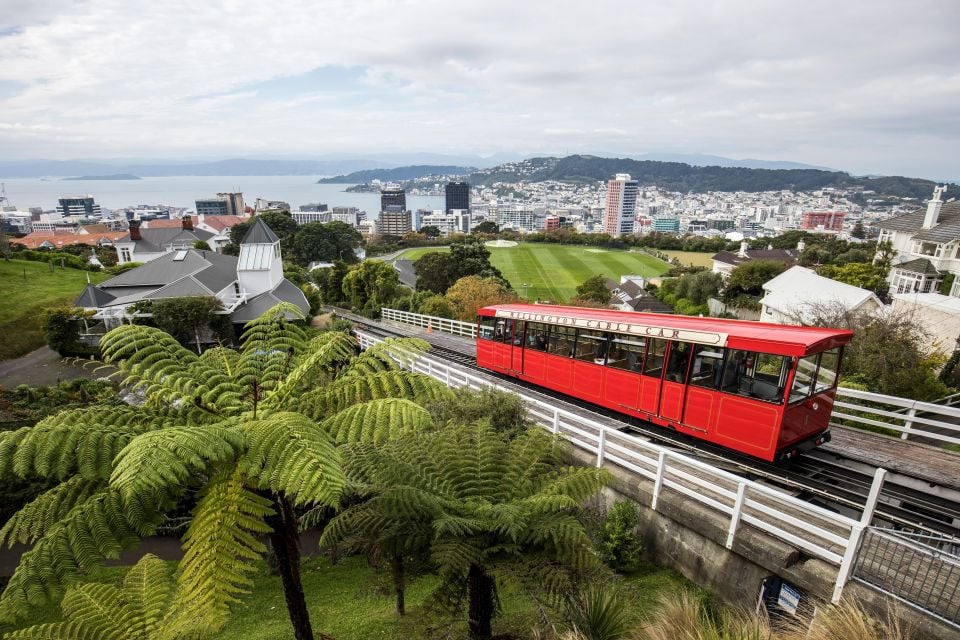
(399, 174)
(112, 176)
(678, 176)
(706, 160)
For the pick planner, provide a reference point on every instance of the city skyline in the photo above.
(869, 88)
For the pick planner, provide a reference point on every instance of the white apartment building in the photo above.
(457, 221)
(516, 216)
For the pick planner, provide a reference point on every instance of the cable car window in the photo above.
(487, 325)
(591, 346)
(503, 331)
(518, 333)
(560, 341)
(755, 375)
(626, 352)
(536, 336)
(707, 366)
(653, 365)
(803, 378)
(827, 373)
(679, 359)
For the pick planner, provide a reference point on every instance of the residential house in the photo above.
(926, 245)
(630, 295)
(91, 235)
(143, 244)
(725, 261)
(938, 315)
(246, 285)
(799, 295)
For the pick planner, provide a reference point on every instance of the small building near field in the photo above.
(799, 295)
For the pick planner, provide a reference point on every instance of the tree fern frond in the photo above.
(316, 362)
(101, 527)
(288, 453)
(158, 460)
(345, 392)
(221, 359)
(377, 421)
(36, 517)
(148, 593)
(220, 547)
(387, 355)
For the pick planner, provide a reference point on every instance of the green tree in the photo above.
(487, 226)
(252, 433)
(187, 317)
(435, 271)
(749, 278)
(201, 245)
(484, 504)
(330, 281)
(61, 329)
(858, 230)
(370, 286)
(473, 292)
(431, 231)
(437, 306)
(472, 258)
(593, 289)
(325, 242)
(859, 274)
(280, 222)
(699, 287)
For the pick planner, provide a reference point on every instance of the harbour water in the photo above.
(183, 191)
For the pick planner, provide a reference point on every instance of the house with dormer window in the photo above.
(926, 245)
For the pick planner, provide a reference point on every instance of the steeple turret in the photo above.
(260, 267)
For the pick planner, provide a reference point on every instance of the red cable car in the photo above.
(766, 390)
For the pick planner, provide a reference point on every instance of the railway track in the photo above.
(826, 482)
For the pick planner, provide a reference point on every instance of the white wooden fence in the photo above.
(818, 532)
(937, 422)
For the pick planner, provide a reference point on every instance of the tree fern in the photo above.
(387, 355)
(220, 546)
(290, 454)
(377, 421)
(319, 359)
(47, 509)
(346, 392)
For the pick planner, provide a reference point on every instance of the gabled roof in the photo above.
(259, 233)
(799, 289)
(946, 230)
(221, 223)
(155, 239)
(787, 256)
(286, 291)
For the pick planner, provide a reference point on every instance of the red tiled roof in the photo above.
(58, 240)
(163, 223)
(222, 222)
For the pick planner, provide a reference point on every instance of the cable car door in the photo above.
(516, 363)
(673, 386)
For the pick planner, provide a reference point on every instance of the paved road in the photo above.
(43, 367)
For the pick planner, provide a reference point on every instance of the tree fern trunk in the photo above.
(285, 540)
(480, 591)
(398, 578)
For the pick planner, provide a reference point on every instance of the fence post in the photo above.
(661, 463)
(908, 423)
(556, 421)
(856, 534)
(600, 446)
(735, 517)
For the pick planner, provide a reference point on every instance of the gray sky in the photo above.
(869, 87)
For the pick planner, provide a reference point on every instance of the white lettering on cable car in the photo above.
(685, 335)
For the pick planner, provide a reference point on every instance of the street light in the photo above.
(525, 285)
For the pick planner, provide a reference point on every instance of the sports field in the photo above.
(696, 258)
(553, 271)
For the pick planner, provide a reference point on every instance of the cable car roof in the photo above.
(765, 337)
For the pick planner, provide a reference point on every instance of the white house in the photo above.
(796, 295)
(146, 244)
(937, 314)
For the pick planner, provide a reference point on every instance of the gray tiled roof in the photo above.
(946, 230)
(787, 256)
(165, 270)
(286, 291)
(153, 240)
(918, 265)
(259, 233)
(93, 298)
(188, 286)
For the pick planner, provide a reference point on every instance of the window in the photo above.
(707, 366)
(487, 326)
(518, 332)
(803, 378)
(755, 375)
(125, 255)
(679, 359)
(626, 352)
(653, 365)
(591, 346)
(560, 341)
(537, 336)
(827, 373)
(503, 331)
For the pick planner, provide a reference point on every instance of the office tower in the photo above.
(393, 198)
(394, 222)
(79, 206)
(457, 196)
(621, 211)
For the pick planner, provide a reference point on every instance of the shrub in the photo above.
(617, 543)
(599, 613)
(61, 329)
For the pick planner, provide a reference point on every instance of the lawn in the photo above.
(696, 258)
(553, 271)
(348, 601)
(26, 288)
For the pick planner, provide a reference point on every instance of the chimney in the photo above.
(801, 246)
(933, 207)
(135, 230)
(743, 249)
(187, 223)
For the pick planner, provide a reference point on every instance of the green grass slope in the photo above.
(553, 271)
(26, 289)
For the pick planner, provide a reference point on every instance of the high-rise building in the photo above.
(457, 196)
(225, 204)
(235, 205)
(313, 207)
(394, 222)
(79, 206)
(828, 220)
(621, 211)
(393, 198)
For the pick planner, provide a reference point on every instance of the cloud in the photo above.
(862, 85)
